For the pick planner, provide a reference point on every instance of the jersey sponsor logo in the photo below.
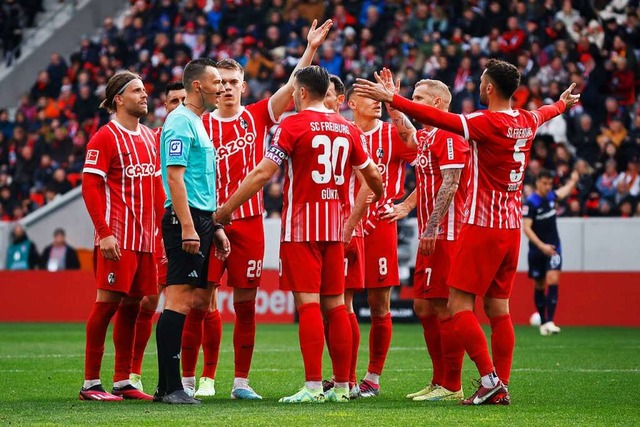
(235, 146)
(140, 170)
(450, 148)
(175, 148)
(92, 157)
(276, 155)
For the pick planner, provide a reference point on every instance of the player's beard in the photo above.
(483, 99)
(138, 112)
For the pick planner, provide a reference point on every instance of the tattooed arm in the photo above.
(450, 181)
(402, 123)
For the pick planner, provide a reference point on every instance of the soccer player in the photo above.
(489, 242)
(121, 184)
(545, 251)
(354, 251)
(441, 185)
(318, 148)
(391, 156)
(239, 135)
(174, 96)
(188, 228)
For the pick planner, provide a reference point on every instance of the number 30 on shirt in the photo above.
(332, 159)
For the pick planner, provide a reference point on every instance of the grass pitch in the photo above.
(585, 376)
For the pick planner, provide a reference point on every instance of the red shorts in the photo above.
(312, 267)
(244, 263)
(381, 256)
(486, 261)
(161, 267)
(432, 272)
(134, 274)
(354, 264)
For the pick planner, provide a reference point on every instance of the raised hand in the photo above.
(386, 78)
(569, 99)
(375, 91)
(316, 36)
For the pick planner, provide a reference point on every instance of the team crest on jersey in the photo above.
(552, 204)
(243, 123)
(111, 278)
(175, 148)
(380, 153)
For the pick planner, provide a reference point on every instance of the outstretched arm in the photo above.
(425, 114)
(450, 181)
(564, 191)
(403, 125)
(256, 179)
(281, 99)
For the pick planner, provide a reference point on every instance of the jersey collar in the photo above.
(228, 119)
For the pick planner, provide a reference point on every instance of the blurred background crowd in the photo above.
(595, 44)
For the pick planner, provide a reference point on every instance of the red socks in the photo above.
(311, 335)
(452, 355)
(191, 340)
(144, 326)
(244, 335)
(124, 330)
(211, 343)
(97, 325)
(431, 330)
(341, 342)
(503, 340)
(379, 342)
(355, 335)
(473, 340)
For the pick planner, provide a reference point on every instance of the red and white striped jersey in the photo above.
(391, 155)
(500, 144)
(319, 149)
(439, 150)
(129, 164)
(240, 142)
(159, 252)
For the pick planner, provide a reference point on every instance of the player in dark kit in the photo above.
(545, 252)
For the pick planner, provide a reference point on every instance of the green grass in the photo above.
(585, 376)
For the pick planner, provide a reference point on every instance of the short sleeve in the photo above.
(529, 209)
(281, 146)
(176, 139)
(359, 156)
(476, 126)
(263, 110)
(450, 150)
(99, 153)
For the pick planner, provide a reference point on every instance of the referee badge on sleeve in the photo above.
(175, 148)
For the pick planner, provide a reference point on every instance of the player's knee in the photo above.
(422, 308)
(494, 307)
(378, 304)
(149, 303)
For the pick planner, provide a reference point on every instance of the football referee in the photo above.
(189, 176)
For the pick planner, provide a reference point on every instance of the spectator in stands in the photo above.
(59, 255)
(60, 183)
(21, 253)
(44, 87)
(606, 183)
(628, 183)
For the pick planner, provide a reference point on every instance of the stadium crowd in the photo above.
(553, 43)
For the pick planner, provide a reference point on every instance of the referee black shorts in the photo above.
(184, 268)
